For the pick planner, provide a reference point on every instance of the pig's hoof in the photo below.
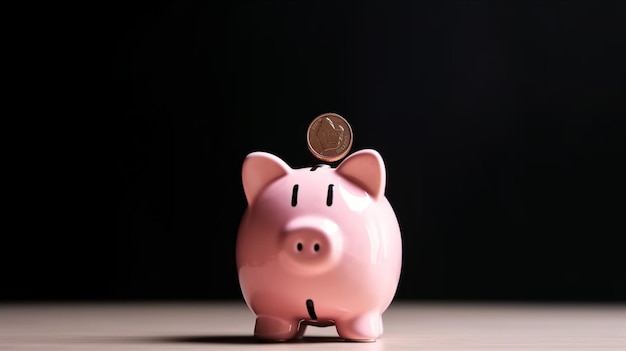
(275, 329)
(365, 328)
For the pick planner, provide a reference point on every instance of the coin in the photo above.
(329, 137)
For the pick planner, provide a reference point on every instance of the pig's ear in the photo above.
(260, 169)
(366, 169)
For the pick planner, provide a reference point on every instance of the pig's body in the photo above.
(320, 245)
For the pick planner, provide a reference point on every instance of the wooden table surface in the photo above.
(229, 326)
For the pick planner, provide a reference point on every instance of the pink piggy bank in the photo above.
(318, 246)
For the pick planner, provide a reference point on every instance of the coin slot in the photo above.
(316, 167)
(329, 196)
(294, 196)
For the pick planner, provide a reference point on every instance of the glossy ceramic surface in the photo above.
(318, 246)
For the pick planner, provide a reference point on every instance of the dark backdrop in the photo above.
(501, 124)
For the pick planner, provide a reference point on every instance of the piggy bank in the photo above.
(318, 246)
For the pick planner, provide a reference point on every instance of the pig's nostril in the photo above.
(299, 246)
(316, 247)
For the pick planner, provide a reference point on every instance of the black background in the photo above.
(501, 124)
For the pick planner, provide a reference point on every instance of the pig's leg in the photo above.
(275, 328)
(301, 329)
(365, 327)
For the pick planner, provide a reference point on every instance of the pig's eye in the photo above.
(329, 196)
(294, 196)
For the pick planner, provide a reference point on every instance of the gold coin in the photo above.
(329, 137)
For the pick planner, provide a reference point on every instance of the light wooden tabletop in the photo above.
(229, 326)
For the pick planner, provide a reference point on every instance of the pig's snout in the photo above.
(310, 245)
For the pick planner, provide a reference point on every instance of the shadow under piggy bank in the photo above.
(243, 339)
